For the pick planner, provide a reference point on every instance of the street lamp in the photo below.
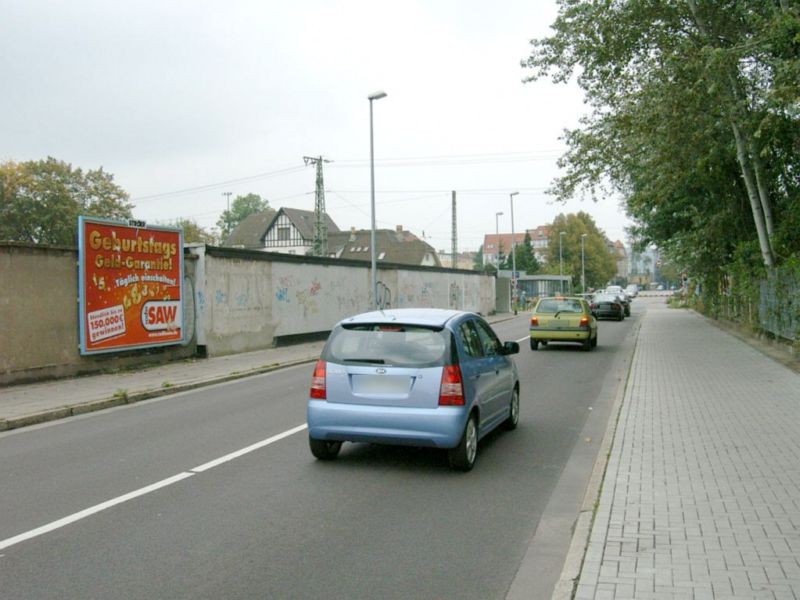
(561, 260)
(376, 96)
(583, 262)
(497, 236)
(513, 257)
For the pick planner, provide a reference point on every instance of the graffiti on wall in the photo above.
(291, 291)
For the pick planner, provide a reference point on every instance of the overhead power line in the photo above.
(213, 186)
(443, 160)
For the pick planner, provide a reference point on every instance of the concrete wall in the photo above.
(39, 335)
(234, 301)
(250, 300)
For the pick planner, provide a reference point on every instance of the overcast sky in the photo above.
(184, 100)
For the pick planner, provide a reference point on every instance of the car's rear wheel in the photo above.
(323, 449)
(462, 457)
(534, 344)
(513, 418)
(586, 345)
(620, 317)
(594, 341)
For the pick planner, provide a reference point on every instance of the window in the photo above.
(391, 344)
(470, 339)
(491, 345)
(283, 234)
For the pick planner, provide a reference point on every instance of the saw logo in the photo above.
(158, 315)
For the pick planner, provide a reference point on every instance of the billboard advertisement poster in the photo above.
(131, 285)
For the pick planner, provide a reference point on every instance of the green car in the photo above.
(563, 319)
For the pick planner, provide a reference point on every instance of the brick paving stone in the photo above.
(701, 497)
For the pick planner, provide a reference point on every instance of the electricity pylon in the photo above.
(320, 247)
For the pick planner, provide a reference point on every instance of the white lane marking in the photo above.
(520, 340)
(92, 510)
(87, 512)
(248, 449)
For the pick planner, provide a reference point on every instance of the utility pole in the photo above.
(455, 232)
(320, 222)
(227, 212)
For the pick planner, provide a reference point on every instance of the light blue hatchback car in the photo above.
(414, 377)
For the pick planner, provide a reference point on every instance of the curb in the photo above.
(573, 565)
(123, 399)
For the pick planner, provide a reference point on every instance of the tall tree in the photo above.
(526, 258)
(597, 259)
(694, 118)
(40, 201)
(241, 208)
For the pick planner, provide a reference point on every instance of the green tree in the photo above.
(526, 258)
(40, 201)
(192, 232)
(241, 208)
(598, 259)
(694, 121)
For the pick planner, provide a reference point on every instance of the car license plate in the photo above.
(381, 384)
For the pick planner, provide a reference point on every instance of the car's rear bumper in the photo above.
(440, 427)
(560, 335)
(608, 314)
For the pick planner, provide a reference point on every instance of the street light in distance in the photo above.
(497, 238)
(374, 275)
(513, 257)
(583, 262)
(561, 235)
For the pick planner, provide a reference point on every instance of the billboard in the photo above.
(131, 285)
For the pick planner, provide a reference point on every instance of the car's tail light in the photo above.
(595, 306)
(451, 392)
(584, 322)
(534, 321)
(318, 386)
(616, 306)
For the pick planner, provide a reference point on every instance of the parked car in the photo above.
(413, 377)
(563, 319)
(632, 290)
(608, 306)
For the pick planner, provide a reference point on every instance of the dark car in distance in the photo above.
(608, 306)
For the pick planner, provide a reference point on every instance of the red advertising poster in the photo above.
(131, 281)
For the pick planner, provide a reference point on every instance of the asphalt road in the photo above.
(154, 500)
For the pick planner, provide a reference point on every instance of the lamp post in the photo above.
(513, 257)
(376, 96)
(497, 235)
(583, 262)
(561, 260)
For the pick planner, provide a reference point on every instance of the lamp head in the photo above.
(377, 95)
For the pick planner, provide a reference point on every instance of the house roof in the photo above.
(250, 232)
(504, 239)
(401, 247)
(305, 221)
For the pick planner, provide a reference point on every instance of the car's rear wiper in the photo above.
(372, 361)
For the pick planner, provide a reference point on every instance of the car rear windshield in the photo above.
(555, 305)
(387, 344)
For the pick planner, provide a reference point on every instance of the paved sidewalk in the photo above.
(28, 404)
(701, 496)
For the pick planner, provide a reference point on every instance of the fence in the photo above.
(779, 306)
